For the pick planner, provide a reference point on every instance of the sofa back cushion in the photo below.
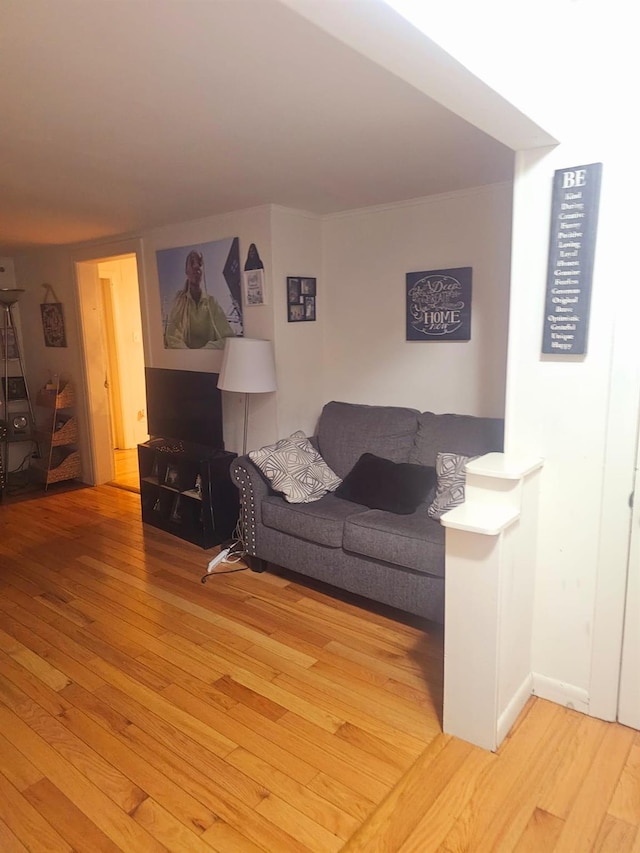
(347, 430)
(464, 434)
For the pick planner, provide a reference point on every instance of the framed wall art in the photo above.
(253, 288)
(8, 345)
(171, 476)
(301, 299)
(14, 388)
(52, 315)
(53, 324)
(439, 305)
(253, 279)
(200, 296)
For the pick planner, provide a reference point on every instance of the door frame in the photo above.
(96, 413)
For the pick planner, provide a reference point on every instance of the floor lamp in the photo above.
(248, 367)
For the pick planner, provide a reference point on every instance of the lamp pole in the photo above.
(246, 423)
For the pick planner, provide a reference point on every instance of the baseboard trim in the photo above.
(508, 717)
(561, 693)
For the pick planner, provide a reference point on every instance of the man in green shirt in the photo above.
(196, 320)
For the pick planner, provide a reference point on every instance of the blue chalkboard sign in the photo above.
(574, 221)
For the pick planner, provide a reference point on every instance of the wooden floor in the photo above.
(126, 470)
(141, 710)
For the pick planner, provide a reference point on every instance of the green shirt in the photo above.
(196, 325)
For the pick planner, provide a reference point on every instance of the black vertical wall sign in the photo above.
(574, 221)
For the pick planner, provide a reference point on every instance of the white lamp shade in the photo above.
(248, 366)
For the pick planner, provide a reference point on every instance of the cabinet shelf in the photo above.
(188, 493)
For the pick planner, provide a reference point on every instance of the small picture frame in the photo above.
(176, 510)
(301, 299)
(8, 347)
(295, 313)
(254, 291)
(171, 477)
(14, 388)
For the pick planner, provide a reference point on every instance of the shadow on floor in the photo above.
(16, 492)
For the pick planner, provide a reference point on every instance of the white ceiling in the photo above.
(119, 115)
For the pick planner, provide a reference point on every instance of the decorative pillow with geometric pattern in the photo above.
(294, 467)
(450, 486)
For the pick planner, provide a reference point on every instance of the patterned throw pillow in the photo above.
(294, 467)
(450, 487)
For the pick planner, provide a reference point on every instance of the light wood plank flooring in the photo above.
(126, 470)
(141, 710)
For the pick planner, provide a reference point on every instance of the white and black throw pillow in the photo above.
(450, 484)
(295, 468)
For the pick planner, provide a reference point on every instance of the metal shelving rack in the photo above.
(15, 424)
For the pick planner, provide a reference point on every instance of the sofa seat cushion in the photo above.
(321, 521)
(414, 541)
(347, 430)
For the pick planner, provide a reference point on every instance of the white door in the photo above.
(629, 695)
(96, 372)
(99, 444)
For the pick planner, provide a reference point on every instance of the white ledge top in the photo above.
(504, 466)
(476, 517)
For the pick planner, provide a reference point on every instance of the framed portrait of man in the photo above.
(200, 294)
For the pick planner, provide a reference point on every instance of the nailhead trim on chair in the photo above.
(3, 436)
(248, 510)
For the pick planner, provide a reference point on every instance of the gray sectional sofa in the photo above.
(387, 557)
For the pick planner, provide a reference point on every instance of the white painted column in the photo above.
(490, 568)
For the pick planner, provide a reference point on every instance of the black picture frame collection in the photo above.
(301, 299)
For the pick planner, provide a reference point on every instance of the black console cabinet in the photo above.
(187, 490)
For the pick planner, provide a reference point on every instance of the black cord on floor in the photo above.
(206, 577)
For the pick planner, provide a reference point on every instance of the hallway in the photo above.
(126, 465)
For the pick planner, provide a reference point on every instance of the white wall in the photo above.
(32, 271)
(54, 267)
(7, 273)
(297, 251)
(367, 255)
(569, 411)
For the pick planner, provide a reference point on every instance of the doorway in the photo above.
(109, 298)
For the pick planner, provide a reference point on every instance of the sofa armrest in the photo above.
(252, 488)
